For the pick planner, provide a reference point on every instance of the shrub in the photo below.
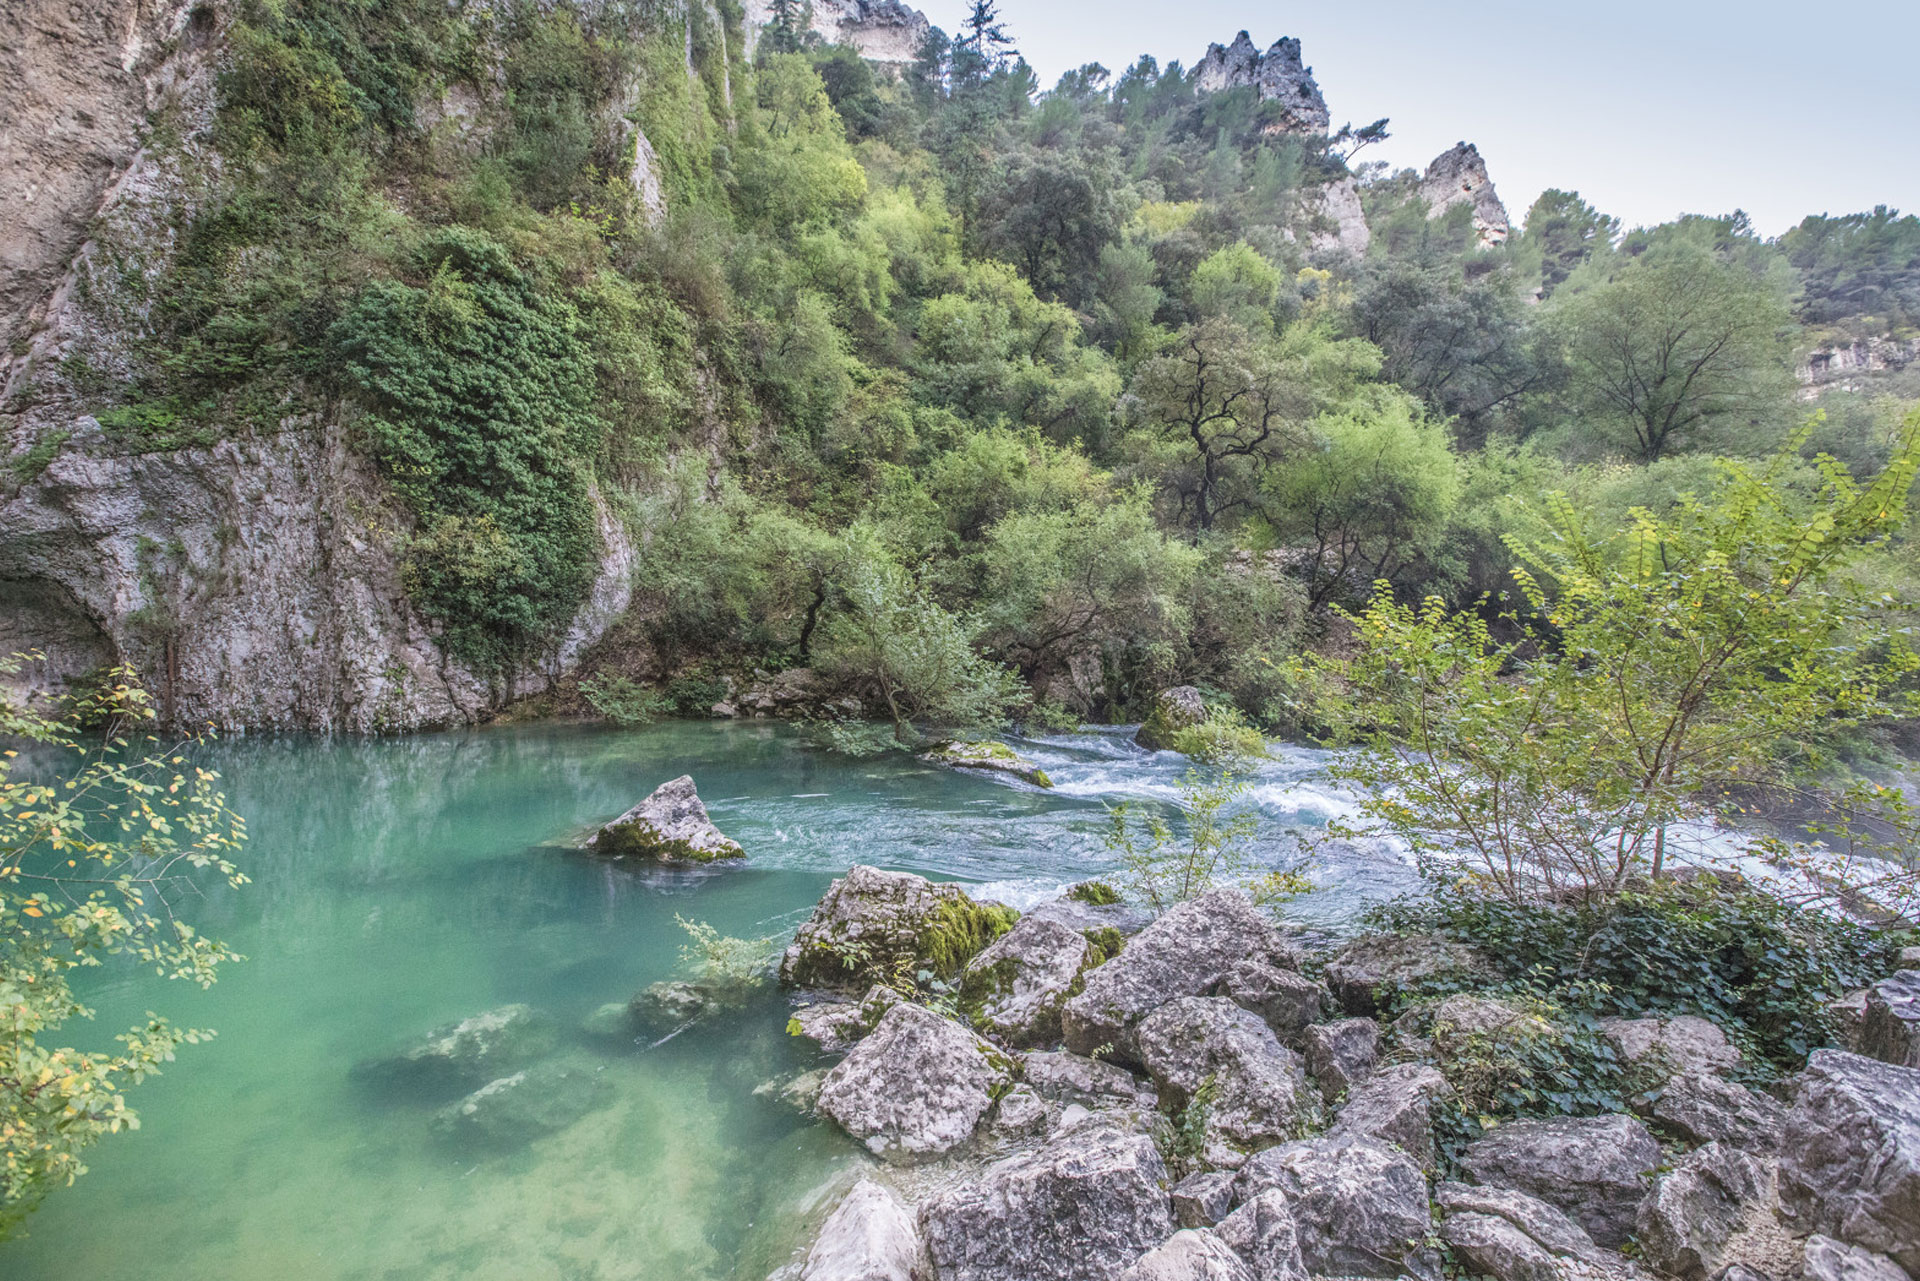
(1163, 870)
(623, 700)
(1223, 738)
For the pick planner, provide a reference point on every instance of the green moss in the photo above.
(957, 930)
(28, 467)
(1106, 943)
(1039, 778)
(637, 840)
(1097, 893)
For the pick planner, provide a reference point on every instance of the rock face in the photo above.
(1360, 1207)
(1184, 953)
(1856, 365)
(1686, 1222)
(1173, 710)
(870, 1237)
(464, 1055)
(519, 1108)
(1510, 1236)
(1337, 222)
(884, 31)
(1341, 1054)
(1084, 1208)
(1702, 1108)
(1890, 1024)
(1208, 1051)
(1370, 972)
(1596, 1169)
(1264, 1233)
(872, 923)
(1192, 1254)
(1395, 1105)
(1850, 1159)
(1459, 176)
(671, 826)
(1278, 75)
(1022, 979)
(1688, 1043)
(915, 1089)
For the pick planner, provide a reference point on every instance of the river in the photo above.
(403, 883)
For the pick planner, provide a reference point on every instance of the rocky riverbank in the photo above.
(1079, 1095)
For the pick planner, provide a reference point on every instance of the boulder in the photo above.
(1082, 917)
(1510, 1236)
(1686, 1043)
(1341, 1054)
(1396, 1105)
(1288, 1001)
(519, 1108)
(1083, 1208)
(916, 1088)
(463, 1055)
(1685, 1224)
(1594, 1168)
(872, 925)
(1360, 1207)
(869, 1237)
(1191, 1254)
(1021, 979)
(660, 1008)
(1173, 710)
(1370, 973)
(1829, 1260)
(1703, 1108)
(1850, 1156)
(1019, 1114)
(1202, 1200)
(1208, 1052)
(1849, 1016)
(1070, 1078)
(1184, 953)
(1263, 1232)
(994, 757)
(834, 1026)
(1461, 1016)
(671, 826)
(1890, 1020)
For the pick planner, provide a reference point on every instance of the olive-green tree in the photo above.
(99, 843)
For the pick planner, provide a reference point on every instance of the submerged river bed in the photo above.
(406, 883)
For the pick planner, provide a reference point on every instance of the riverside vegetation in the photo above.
(976, 403)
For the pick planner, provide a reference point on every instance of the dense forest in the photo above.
(929, 378)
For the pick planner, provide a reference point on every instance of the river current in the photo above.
(404, 883)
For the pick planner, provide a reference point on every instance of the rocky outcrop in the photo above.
(463, 1055)
(884, 31)
(1510, 1236)
(1336, 221)
(1360, 1207)
(1021, 979)
(1855, 365)
(872, 925)
(869, 1237)
(1278, 75)
(1082, 1208)
(1209, 1054)
(1459, 177)
(1890, 1020)
(1173, 710)
(670, 826)
(1073, 1079)
(1850, 1158)
(520, 1108)
(1703, 1108)
(1596, 1169)
(1184, 953)
(1192, 1254)
(917, 1088)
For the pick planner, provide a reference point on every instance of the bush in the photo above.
(624, 700)
(1162, 870)
(1223, 738)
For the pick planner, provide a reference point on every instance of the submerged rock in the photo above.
(917, 1088)
(519, 1108)
(869, 1237)
(996, 757)
(1850, 1158)
(1360, 1207)
(1174, 709)
(670, 826)
(1083, 1208)
(1021, 979)
(1184, 953)
(1596, 1169)
(1208, 1052)
(460, 1056)
(872, 925)
(667, 1006)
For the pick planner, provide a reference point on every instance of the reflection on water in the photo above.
(400, 884)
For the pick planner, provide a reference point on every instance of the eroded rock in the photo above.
(1829, 1260)
(1202, 1200)
(1360, 1207)
(916, 1088)
(1209, 1052)
(1022, 978)
(670, 826)
(1288, 1001)
(1691, 1214)
(1263, 1232)
(995, 758)
(873, 924)
(1850, 1157)
(1596, 1169)
(1072, 1078)
(1510, 1236)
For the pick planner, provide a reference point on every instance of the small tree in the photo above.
(92, 864)
(1652, 672)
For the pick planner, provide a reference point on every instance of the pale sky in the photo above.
(1649, 109)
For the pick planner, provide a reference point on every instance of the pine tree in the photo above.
(787, 29)
(983, 46)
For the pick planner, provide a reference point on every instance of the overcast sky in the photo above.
(1648, 109)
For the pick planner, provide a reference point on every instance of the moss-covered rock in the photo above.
(988, 755)
(1173, 710)
(1094, 893)
(876, 927)
(670, 826)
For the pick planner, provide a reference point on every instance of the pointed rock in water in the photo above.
(522, 1107)
(671, 826)
(870, 1237)
(871, 925)
(460, 1056)
(917, 1088)
(997, 757)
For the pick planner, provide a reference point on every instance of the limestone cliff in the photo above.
(1459, 176)
(1855, 364)
(884, 31)
(1278, 75)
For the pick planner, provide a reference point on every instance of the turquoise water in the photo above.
(400, 884)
